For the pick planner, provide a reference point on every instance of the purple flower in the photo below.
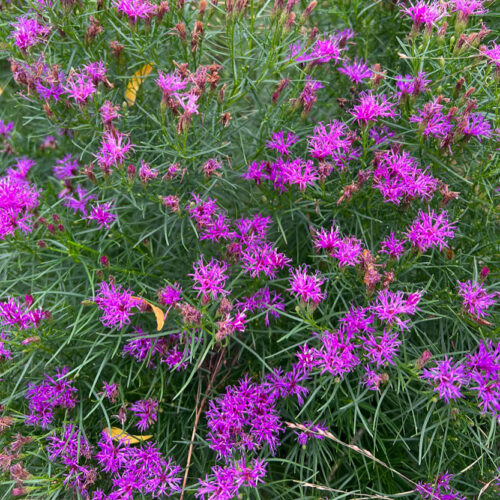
(53, 392)
(109, 112)
(476, 300)
(113, 454)
(66, 168)
(70, 446)
(447, 377)
(146, 173)
(311, 432)
(18, 198)
(337, 354)
(308, 95)
(492, 53)
(135, 9)
(348, 251)
(468, 8)
(110, 391)
(332, 141)
(114, 149)
(28, 31)
(146, 410)
(389, 305)
(6, 129)
(271, 302)
(326, 240)
(477, 126)
(371, 107)
(440, 490)
(170, 295)
(79, 87)
(263, 258)
(424, 13)
(431, 120)
(102, 215)
(79, 202)
(170, 83)
(411, 85)
(257, 171)
(224, 482)
(13, 313)
(357, 71)
(306, 287)
(210, 278)
(381, 349)
(281, 144)
(393, 247)
(430, 230)
(116, 303)
(357, 320)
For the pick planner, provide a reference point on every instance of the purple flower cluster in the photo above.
(357, 71)
(347, 250)
(325, 49)
(169, 349)
(18, 199)
(440, 489)
(430, 230)
(244, 419)
(342, 350)
(224, 483)
(399, 179)
(210, 279)
(44, 399)
(15, 314)
(28, 32)
(479, 372)
(133, 470)
(371, 107)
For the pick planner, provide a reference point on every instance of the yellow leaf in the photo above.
(159, 315)
(1, 90)
(118, 434)
(135, 82)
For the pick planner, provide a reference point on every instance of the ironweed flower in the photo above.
(307, 287)
(476, 300)
(447, 377)
(116, 303)
(210, 278)
(430, 230)
(146, 410)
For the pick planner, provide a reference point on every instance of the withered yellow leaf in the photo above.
(135, 82)
(159, 315)
(118, 434)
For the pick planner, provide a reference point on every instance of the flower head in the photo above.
(372, 107)
(146, 410)
(210, 278)
(476, 300)
(356, 71)
(430, 230)
(116, 303)
(307, 287)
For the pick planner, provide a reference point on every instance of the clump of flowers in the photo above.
(44, 399)
(243, 419)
